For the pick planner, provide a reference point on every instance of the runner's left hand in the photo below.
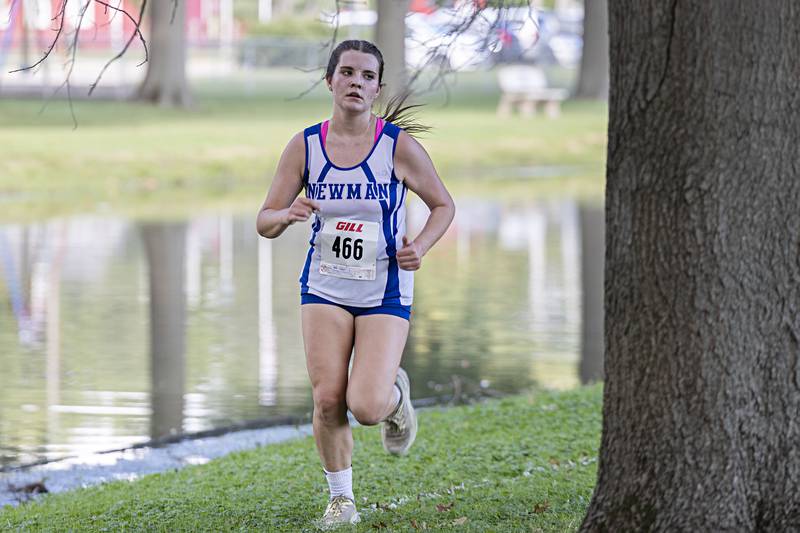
(408, 257)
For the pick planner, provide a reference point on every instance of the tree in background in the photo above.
(702, 301)
(165, 49)
(390, 37)
(593, 74)
(165, 82)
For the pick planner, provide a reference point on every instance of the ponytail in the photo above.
(404, 116)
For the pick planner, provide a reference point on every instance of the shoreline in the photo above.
(22, 483)
(135, 462)
(523, 462)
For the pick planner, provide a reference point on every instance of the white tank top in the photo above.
(360, 226)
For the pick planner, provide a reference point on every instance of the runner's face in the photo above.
(355, 83)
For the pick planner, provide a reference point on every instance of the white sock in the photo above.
(340, 483)
(398, 396)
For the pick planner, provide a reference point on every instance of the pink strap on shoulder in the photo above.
(378, 128)
(324, 132)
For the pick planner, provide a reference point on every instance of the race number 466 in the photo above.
(349, 249)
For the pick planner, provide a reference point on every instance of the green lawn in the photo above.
(523, 463)
(140, 159)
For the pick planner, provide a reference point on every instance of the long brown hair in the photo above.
(396, 110)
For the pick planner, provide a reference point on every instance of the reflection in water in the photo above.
(165, 249)
(267, 358)
(593, 248)
(24, 282)
(52, 288)
(115, 332)
(226, 256)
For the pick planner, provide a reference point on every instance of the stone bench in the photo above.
(525, 87)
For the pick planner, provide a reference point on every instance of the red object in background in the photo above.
(505, 36)
(422, 6)
(202, 22)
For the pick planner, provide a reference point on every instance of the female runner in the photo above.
(357, 281)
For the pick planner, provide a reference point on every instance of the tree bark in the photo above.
(165, 83)
(593, 74)
(702, 392)
(390, 32)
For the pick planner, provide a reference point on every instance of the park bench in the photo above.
(526, 87)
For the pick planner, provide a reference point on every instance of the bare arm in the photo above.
(413, 165)
(283, 207)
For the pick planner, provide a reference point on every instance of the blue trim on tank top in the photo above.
(308, 132)
(315, 228)
(399, 203)
(307, 267)
(391, 293)
(311, 130)
(374, 145)
(394, 133)
(305, 164)
(324, 173)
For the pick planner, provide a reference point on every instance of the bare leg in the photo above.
(328, 337)
(379, 343)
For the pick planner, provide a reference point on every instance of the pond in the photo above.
(114, 332)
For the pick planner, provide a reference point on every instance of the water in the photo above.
(114, 332)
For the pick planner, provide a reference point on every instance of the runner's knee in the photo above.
(367, 409)
(329, 406)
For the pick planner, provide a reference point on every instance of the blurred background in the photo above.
(137, 301)
(225, 37)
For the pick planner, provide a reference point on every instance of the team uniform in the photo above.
(351, 259)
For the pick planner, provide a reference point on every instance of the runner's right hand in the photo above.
(301, 209)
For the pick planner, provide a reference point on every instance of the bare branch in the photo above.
(470, 21)
(60, 17)
(137, 24)
(73, 49)
(330, 45)
(52, 44)
(127, 44)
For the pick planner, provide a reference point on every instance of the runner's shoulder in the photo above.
(409, 149)
(296, 143)
(293, 158)
(296, 148)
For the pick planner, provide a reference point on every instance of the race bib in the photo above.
(349, 249)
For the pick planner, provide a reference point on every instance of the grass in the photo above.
(137, 159)
(523, 463)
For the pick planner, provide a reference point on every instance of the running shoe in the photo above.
(341, 511)
(400, 429)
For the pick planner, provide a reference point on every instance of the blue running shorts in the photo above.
(403, 311)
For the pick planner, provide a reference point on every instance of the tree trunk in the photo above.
(390, 32)
(593, 75)
(702, 392)
(281, 8)
(165, 83)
